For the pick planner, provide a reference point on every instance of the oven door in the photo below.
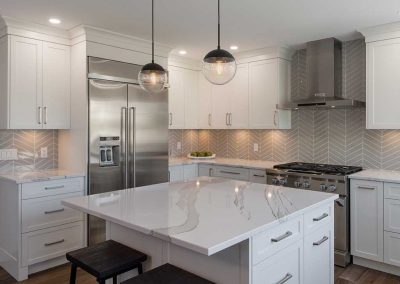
(342, 224)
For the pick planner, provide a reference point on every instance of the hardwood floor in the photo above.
(352, 274)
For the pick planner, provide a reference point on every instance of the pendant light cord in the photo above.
(152, 31)
(219, 29)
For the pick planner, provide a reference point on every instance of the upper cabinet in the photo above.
(383, 73)
(35, 93)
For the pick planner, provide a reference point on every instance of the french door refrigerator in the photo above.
(128, 133)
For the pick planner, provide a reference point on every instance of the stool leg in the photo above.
(115, 280)
(140, 268)
(101, 281)
(72, 277)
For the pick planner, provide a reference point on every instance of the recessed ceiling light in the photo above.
(182, 52)
(234, 47)
(55, 21)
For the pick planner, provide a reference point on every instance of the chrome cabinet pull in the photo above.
(45, 115)
(285, 279)
(226, 118)
(256, 175)
(209, 119)
(54, 243)
(275, 113)
(210, 172)
(232, 173)
(324, 239)
(323, 216)
(54, 211)
(230, 119)
(40, 115)
(170, 118)
(169, 176)
(54, 187)
(282, 237)
(366, 187)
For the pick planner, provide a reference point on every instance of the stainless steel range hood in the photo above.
(324, 78)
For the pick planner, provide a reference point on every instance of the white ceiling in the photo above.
(191, 24)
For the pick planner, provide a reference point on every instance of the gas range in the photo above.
(327, 178)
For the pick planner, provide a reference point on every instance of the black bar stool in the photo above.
(167, 274)
(105, 260)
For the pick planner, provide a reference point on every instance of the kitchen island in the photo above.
(223, 230)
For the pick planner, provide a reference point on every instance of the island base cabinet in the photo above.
(317, 246)
(283, 267)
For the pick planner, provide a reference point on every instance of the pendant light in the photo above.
(152, 77)
(219, 66)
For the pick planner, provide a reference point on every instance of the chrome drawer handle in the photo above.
(285, 279)
(53, 187)
(54, 243)
(232, 173)
(323, 216)
(324, 239)
(261, 176)
(280, 238)
(366, 187)
(54, 211)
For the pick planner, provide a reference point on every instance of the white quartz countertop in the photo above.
(377, 175)
(253, 164)
(33, 176)
(204, 214)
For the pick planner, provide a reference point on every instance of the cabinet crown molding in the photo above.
(381, 32)
(183, 62)
(264, 54)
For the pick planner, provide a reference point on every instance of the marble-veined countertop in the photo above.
(377, 175)
(43, 175)
(203, 214)
(252, 164)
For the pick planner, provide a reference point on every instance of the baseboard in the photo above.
(34, 268)
(391, 269)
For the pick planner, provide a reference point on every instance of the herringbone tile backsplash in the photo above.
(28, 144)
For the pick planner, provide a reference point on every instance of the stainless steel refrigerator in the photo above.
(128, 133)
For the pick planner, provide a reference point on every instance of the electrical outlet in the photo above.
(8, 154)
(43, 152)
(255, 147)
(178, 145)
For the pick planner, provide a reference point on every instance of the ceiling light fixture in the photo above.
(55, 21)
(152, 77)
(183, 52)
(219, 66)
(234, 47)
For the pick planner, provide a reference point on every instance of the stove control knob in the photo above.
(274, 181)
(331, 187)
(297, 183)
(322, 187)
(306, 184)
(282, 181)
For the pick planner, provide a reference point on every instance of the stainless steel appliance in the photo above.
(128, 133)
(322, 177)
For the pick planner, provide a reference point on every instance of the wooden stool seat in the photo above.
(105, 260)
(167, 274)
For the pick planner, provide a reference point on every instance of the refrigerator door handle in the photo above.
(124, 146)
(132, 146)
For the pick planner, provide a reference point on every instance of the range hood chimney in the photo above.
(324, 77)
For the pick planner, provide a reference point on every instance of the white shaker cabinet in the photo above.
(269, 85)
(205, 102)
(35, 89)
(367, 219)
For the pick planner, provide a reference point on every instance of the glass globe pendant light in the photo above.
(219, 66)
(152, 78)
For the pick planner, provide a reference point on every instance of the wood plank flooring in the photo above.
(352, 274)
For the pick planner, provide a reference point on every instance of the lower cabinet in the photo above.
(392, 248)
(238, 173)
(182, 172)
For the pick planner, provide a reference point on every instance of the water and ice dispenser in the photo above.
(109, 151)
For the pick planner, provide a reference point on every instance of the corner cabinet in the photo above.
(35, 89)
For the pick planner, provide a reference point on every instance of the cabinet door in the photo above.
(56, 86)
(205, 170)
(176, 99)
(239, 98)
(366, 213)
(392, 215)
(191, 98)
(205, 102)
(176, 173)
(383, 85)
(190, 171)
(220, 105)
(392, 248)
(263, 89)
(25, 83)
(318, 256)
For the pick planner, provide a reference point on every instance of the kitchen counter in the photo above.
(252, 164)
(377, 175)
(206, 215)
(33, 176)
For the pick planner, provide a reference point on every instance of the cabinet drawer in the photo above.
(392, 215)
(273, 240)
(392, 190)
(317, 218)
(46, 244)
(51, 187)
(45, 212)
(392, 248)
(231, 173)
(205, 170)
(283, 267)
(258, 176)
